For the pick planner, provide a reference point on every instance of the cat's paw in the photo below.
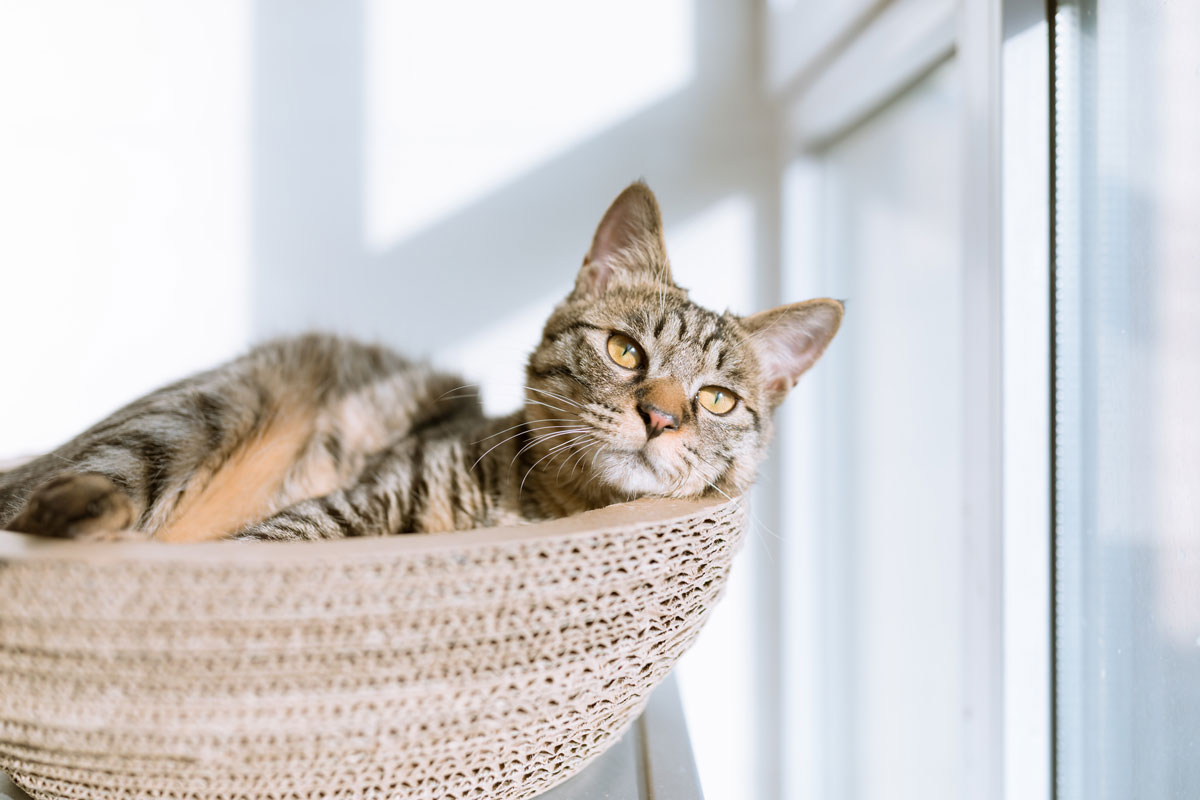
(83, 505)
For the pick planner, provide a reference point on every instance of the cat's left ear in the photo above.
(628, 246)
(789, 339)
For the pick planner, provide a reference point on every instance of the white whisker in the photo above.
(493, 447)
(553, 451)
(555, 396)
(457, 388)
(545, 437)
(739, 502)
(527, 424)
(589, 442)
(547, 405)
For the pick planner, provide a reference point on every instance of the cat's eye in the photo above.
(716, 399)
(625, 352)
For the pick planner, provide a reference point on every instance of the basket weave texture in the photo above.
(481, 664)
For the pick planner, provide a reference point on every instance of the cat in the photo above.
(633, 391)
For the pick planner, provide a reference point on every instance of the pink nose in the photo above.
(657, 420)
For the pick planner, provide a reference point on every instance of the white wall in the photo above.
(125, 222)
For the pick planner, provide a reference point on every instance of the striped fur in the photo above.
(321, 437)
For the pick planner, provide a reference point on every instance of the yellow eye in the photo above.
(716, 399)
(624, 351)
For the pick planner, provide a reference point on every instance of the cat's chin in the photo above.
(630, 472)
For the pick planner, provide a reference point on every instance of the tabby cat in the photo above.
(633, 391)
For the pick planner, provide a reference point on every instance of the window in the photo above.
(1050, 467)
(1127, 380)
(875, 539)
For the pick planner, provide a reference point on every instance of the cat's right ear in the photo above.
(628, 246)
(789, 339)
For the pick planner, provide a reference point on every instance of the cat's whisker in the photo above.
(588, 443)
(570, 443)
(464, 386)
(449, 395)
(493, 447)
(595, 445)
(683, 475)
(556, 396)
(567, 444)
(570, 452)
(550, 454)
(529, 429)
(542, 438)
(596, 455)
(498, 444)
(528, 425)
(759, 528)
(547, 405)
(582, 453)
(532, 467)
(565, 461)
(740, 502)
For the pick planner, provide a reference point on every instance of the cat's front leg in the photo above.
(392, 494)
(337, 515)
(79, 505)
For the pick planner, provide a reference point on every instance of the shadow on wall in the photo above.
(512, 245)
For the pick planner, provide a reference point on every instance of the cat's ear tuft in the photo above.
(789, 339)
(628, 245)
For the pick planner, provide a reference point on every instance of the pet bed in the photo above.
(491, 663)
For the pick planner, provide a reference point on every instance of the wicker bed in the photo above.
(480, 664)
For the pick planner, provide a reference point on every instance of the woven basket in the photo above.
(479, 664)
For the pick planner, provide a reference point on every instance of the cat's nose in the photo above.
(656, 420)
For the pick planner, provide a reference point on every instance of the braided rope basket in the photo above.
(480, 664)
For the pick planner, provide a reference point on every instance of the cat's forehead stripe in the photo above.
(570, 327)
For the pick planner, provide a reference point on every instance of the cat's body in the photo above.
(633, 391)
(290, 421)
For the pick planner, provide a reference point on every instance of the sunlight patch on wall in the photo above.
(125, 254)
(463, 97)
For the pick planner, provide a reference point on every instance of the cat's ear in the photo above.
(789, 339)
(628, 246)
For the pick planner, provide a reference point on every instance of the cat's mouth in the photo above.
(641, 470)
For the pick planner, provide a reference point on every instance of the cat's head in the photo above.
(635, 390)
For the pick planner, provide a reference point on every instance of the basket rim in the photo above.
(23, 547)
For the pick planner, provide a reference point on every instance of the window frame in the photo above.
(1003, 48)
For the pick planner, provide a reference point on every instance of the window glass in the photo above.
(875, 536)
(1127, 404)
